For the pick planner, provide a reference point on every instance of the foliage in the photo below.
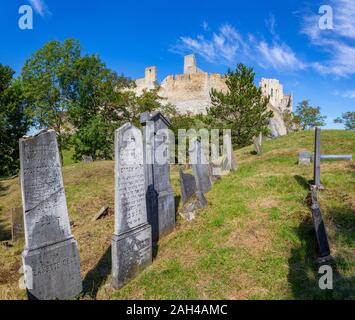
(348, 119)
(309, 117)
(242, 109)
(292, 122)
(13, 121)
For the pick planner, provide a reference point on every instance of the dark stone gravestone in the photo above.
(51, 258)
(87, 159)
(132, 239)
(191, 198)
(200, 166)
(160, 196)
(17, 229)
(316, 165)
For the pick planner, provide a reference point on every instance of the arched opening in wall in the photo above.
(272, 92)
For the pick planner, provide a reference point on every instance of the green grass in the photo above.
(255, 239)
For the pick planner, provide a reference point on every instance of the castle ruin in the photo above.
(190, 91)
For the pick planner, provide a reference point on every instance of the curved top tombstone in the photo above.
(130, 198)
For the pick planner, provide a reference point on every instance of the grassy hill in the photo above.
(254, 240)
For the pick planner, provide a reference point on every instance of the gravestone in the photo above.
(87, 159)
(132, 239)
(17, 229)
(51, 258)
(316, 165)
(191, 198)
(160, 196)
(304, 158)
(187, 185)
(200, 166)
(258, 143)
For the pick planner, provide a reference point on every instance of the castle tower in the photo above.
(151, 74)
(190, 65)
(273, 89)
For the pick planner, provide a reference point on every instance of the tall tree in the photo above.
(48, 77)
(13, 121)
(242, 108)
(348, 119)
(309, 117)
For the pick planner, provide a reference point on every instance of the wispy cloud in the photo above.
(40, 7)
(228, 46)
(345, 94)
(338, 43)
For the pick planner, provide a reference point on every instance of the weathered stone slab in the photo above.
(87, 159)
(200, 166)
(49, 242)
(304, 158)
(160, 196)
(18, 228)
(258, 143)
(187, 185)
(132, 239)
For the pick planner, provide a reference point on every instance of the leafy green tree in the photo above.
(13, 121)
(48, 77)
(348, 119)
(242, 108)
(292, 122)
(309, 117)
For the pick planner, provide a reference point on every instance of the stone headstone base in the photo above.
(131, 253)
(53, 272)
(166, 213)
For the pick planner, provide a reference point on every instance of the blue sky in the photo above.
(278, 39)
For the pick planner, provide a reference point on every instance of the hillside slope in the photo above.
(254, 240)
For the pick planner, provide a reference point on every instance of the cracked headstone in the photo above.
(132, 238)
(51, 257)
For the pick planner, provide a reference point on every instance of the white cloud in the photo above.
(40, 7)
(345, 94)
(228, 46)
(337, 43)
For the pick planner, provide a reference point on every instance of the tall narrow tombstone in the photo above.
(51, 258)
(200, 166)
(317, 154)
(160, 196)
(258, 143)
(132, 239)
(17, 229)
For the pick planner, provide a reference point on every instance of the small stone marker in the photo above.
(200, 166)
(87, 159)
(304, 158)
(102, 212)
(160, 196)
(17, 229)
(258, 143)
(132, 239)
(51, 258)
(187, 185)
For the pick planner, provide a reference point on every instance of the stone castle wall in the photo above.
(190, 91)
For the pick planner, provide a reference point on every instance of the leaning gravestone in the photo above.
(17, 229)
(200, 166)
(51, 258)
(160, 196)
(132, 239)
(191, 198)
(258, 143)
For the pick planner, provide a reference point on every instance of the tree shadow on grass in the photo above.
(3, 189)
(303, 270)
(5, 232)
(97, 276)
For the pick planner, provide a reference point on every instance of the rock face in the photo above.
(132, 239)
(51, 257)
(190, 91)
